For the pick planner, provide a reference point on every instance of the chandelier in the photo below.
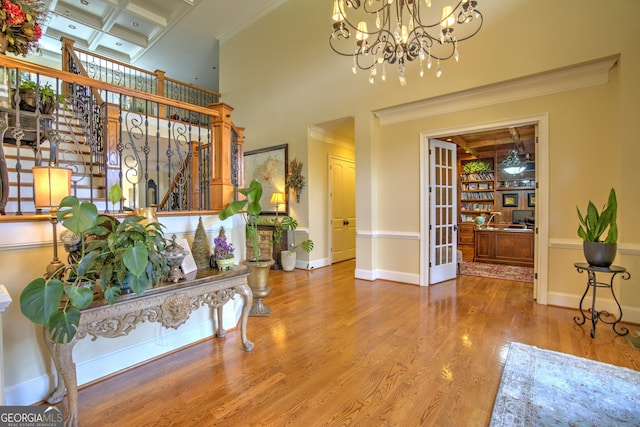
(403, 32)
(512, 164)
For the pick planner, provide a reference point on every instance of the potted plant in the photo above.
(593, 225)
(288, 257)
(258, 269)
(223, 251)
(33, 95)
(117, 255)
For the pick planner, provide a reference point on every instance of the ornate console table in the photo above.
(169, 304)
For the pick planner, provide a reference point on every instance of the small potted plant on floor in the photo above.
(288, 257)
(116, 254)
(599, 252)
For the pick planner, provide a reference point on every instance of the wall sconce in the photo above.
(277, 199)
(50, 186)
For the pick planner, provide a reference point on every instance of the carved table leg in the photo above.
(247, 296)
(220, 332)
(62, 355)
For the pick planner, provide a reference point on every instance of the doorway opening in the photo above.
(514, 202)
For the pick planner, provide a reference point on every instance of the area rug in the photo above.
(547, 388)
(497, 271)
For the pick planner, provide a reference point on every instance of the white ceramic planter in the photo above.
(288, 260)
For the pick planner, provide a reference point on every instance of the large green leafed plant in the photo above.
(594, 224)
(287, 223)
(252, 194)
(115, 254)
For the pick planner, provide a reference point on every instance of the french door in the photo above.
(443, 229)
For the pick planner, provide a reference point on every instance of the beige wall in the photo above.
(293, 80)
(593, 143)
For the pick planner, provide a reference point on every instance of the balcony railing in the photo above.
(165, 152)
(120, 74)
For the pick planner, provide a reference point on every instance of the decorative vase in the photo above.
(288, 260)
(225, 264)
(150, 214)
(599, 254)
(200, 247)
(175, 254)
(259, 283)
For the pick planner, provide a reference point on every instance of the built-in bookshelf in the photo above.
(477, 188)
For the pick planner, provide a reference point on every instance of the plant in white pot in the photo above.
(288, 257)
(599, 252)
(258, 269)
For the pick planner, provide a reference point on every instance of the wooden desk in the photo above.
(169, 304)
(509, 247)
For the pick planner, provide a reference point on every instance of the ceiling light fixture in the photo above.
(403, 32)
(512, 164)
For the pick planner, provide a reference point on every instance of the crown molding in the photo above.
(250, 20)
(323, 135)
(565, 79)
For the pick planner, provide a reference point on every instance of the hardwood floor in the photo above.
(341, 351)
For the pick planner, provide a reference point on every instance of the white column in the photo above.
(5, 301)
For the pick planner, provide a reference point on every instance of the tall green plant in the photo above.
(252, 194)
(594, 224)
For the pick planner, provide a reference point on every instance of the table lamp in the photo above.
(51, 184)
(277, 198)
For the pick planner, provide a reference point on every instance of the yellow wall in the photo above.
(593, 142)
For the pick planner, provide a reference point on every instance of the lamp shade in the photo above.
(277, 198)
(50, 185)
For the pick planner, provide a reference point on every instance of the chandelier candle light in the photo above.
(397, 31)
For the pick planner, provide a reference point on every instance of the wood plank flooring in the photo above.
(340, 351)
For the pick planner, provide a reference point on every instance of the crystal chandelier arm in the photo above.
(375, 32)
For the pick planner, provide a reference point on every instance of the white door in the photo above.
(342, 173)
(443, 229)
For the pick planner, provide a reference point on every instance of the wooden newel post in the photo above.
(160, 83)
(221, 188)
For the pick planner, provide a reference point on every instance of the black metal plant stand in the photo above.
(593, 283)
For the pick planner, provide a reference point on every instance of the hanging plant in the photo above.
(295, 179)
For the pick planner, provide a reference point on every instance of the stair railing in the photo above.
(137, 146)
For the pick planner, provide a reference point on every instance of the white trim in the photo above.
(629, 314)
(402, 235)
(562, 80)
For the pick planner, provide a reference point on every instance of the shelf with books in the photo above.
(476, 194)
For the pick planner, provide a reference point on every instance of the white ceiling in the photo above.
(153, 34)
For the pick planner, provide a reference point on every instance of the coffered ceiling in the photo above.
(153, 34)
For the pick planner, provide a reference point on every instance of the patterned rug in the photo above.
(547, 388)
(497, 271)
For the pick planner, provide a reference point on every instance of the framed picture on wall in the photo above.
(269, 166)
(531, 200)
(510, 200)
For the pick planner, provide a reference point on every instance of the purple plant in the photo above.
(222, 249)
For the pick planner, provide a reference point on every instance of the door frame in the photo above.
(541, 256)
